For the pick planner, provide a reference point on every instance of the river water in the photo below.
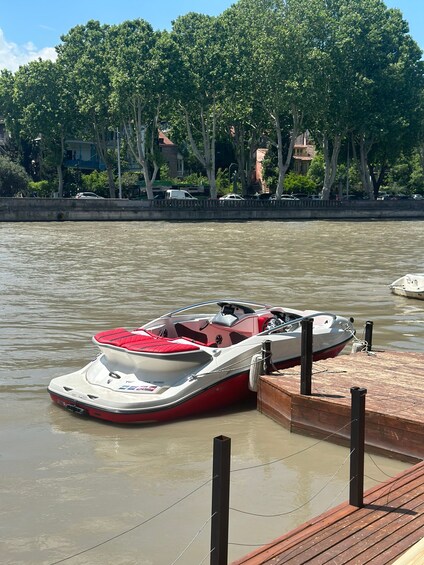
(80, 491)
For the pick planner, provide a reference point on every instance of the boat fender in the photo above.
(358, 346)
(255, 372)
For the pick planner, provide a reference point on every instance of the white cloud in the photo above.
(12, 56)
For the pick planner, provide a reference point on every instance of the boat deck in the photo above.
(390, 524)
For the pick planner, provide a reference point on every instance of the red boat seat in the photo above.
(145, 342)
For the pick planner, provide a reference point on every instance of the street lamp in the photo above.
(118, 146)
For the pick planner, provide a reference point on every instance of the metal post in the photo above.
(306, 357)
(118, 146)
(368, 335)
(220, 500)
(357, 447)
(266, 357)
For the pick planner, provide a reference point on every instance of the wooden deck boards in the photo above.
(392, 519)
(389, 524)
(394, 400)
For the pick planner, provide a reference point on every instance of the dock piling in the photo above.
(306, 357)
(357, 447)
(267, 357)
(368, 335)
(220, 500)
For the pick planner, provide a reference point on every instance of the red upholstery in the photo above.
(146, 342)
(262, 321)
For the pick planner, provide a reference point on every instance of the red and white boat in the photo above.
(192, 360)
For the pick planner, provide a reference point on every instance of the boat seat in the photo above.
(185, 331)
(142, 342)
(236, 337)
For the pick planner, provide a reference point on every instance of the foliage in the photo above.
(13, 178)
(293, 182)
(264, 70)
(41, 189)
(194, 179)
(95, 182)
(316, 171)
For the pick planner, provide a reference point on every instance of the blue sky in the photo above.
(31, 29)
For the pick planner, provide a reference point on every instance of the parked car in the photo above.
(232, 196)
(177, 194)
(284, 197)
(88, 195)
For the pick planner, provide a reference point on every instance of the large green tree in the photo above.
(243, 111)
(84, 58)
(45, 111)
(199, 92)
(385, 74)
(139, 60)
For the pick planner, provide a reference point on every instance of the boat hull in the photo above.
(219, 395)
(410, 286)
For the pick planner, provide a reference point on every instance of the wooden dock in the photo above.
(392, 519)
(390, 524)
(394, 401)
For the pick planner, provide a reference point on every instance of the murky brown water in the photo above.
(69, 484)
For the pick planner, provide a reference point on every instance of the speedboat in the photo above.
(411, 286)
(193, 360)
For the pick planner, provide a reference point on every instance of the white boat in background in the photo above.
(411, 285)
(192, 360)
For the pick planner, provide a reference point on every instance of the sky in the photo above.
(31, 29)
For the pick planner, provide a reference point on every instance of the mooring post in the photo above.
(220, 500)
(357, 447)
(368, 335)
(267, 357)
(306, 357)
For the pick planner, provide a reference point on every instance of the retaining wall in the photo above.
(68, 209)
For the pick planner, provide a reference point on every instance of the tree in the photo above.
(83, 56)
(243, 112)
(385, 86)
(13, 178)
(198, 88)
(44, 111)
(139, 61)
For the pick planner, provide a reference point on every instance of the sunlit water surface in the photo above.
(80, 491)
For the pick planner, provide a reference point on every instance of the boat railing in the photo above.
(292, 324)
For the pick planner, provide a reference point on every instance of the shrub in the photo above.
(13, 178)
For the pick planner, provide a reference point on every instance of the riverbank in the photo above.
(73, 210)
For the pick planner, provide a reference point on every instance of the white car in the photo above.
(284, 197)
(88, 195)
(232, 196)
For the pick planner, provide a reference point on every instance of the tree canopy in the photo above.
(260, 73)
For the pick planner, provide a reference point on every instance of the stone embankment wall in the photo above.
(67, 209)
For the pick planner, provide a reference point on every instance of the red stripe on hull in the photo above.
(234, 390)
(221, 395)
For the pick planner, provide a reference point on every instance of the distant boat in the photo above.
(411, 285)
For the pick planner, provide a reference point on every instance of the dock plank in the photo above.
(392, 518)
(394, 400)
(391, 522)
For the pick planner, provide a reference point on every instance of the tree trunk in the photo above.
(101, 144)
(284, 161)
(364, 149)
(331, 157)
(207, 159)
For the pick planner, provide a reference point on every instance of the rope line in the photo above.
(296, 453)
(194, 538)
(133, 527)
(302, 505)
